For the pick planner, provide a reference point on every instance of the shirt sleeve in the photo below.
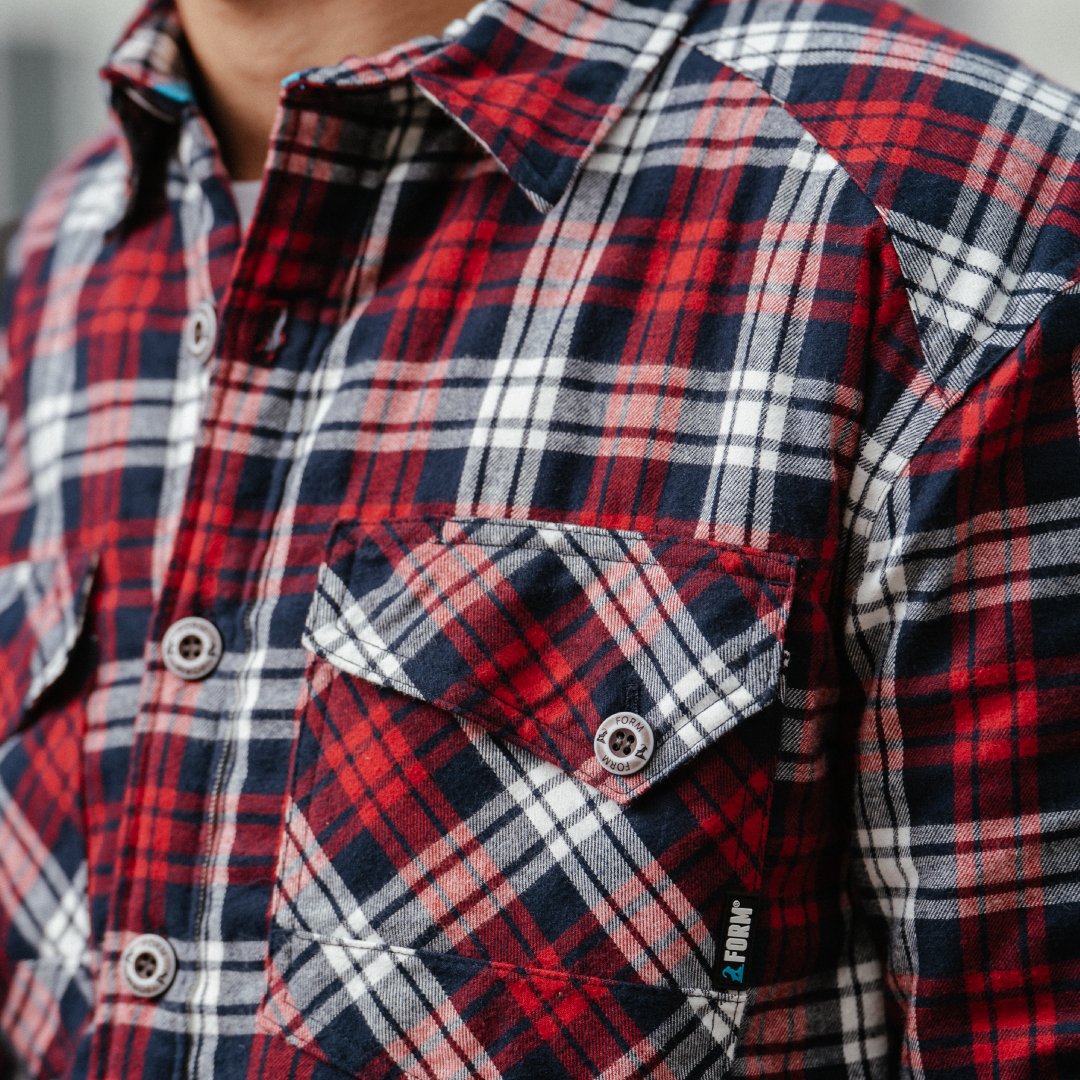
(965, 631)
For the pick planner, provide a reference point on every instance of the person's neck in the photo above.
(244, 48)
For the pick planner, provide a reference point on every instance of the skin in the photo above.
(244, 48)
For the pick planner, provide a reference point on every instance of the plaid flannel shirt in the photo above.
(710, 361)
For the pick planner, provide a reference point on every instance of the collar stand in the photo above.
(537, 83)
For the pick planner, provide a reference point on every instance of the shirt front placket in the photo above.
(209, 772)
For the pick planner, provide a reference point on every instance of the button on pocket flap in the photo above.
(543, 631)
(42, 604)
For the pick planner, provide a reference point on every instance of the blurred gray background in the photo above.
(50, 50)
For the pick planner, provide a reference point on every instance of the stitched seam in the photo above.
(327, 654)
(628, 786)
(522, 970)
(534, 546)
(781, 562)
(1071, 287)
(733, 65)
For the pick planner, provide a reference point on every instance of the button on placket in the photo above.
(226, 343)
(148, 965)
(191, 648)
(200, 331)
(624, 743)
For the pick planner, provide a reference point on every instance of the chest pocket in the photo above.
(464, 889)
(42, 605)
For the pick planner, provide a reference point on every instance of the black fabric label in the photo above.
(734, 950)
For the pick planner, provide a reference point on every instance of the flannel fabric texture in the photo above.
(716, 361)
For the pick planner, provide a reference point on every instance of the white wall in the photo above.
(53, 110)
(1046, 33)
(68, 107)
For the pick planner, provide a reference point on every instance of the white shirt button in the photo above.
(624, 743)
(200, 331)
(192, 648)
(148, 965)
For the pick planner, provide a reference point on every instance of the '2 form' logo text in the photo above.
(737, 942)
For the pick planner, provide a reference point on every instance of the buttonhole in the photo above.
(275, 338)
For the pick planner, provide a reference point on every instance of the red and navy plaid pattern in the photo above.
(713, 360)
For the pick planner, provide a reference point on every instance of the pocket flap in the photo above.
(542, 630)
(42, 604)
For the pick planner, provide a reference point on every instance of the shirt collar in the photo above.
(537, 83)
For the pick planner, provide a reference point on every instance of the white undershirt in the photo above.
(245, 195)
